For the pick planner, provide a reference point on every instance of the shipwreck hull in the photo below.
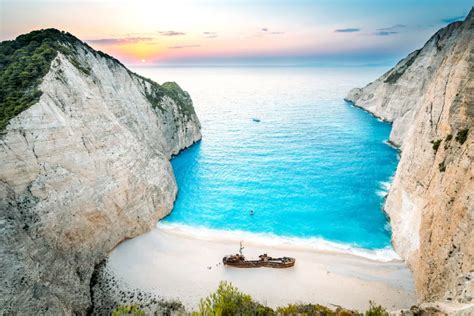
(266, 262)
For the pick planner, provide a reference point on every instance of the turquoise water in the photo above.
(314, 166)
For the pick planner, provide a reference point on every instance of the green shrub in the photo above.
(462, 135)
(436, 144)
(128, 310)
(375, 310)
(442, 167)
(449, 137)
(229, 301)
(312, 310)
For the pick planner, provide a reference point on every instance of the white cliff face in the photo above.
(429, 97)
(84, 168)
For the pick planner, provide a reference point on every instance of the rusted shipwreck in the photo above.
(239, 261)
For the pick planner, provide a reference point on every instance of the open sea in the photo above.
(283, 155)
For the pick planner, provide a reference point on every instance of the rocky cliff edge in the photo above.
(429, 97)
(84, 153)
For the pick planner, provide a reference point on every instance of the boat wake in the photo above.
(386, 254)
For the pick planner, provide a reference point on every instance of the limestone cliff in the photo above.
(84, 166)
(429, 97)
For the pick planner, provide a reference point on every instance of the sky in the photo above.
(172, 32)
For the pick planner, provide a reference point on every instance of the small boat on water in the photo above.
(239, 261)
(256, 119)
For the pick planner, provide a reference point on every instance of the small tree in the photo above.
(376, 310)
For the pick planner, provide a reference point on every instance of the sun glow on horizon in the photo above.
(153, 32)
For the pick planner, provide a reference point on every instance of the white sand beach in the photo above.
(178, 263)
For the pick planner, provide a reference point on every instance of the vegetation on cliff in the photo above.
(155, 94)
(229, 301)
(27, 59)
(398, 71)
(181, 97)
(23, 63)
(128, 310)
(462, 135)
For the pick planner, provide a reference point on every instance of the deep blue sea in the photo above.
(312, 167)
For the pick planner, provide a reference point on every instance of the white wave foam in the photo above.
(270, 240)
(382, 194)
(385, 187)
(386, 184)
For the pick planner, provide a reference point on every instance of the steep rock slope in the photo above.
(429, 97)
(84, 165)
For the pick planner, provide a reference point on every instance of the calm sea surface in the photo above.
(313, 166)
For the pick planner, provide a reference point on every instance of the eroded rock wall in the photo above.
(84, 168)
(429, 97)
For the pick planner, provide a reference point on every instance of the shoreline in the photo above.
(309, 244)
(172, 263)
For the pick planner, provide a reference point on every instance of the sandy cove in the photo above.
(174, 263)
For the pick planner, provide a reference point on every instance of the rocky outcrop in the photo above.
(82, 169)
(429, 97)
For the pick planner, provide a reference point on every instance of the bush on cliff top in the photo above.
(23, 63)
(181, 98)
(228, 300)
(155, 94)
(27, 59)
(375, 310)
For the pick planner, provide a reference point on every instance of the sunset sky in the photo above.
(240, 32)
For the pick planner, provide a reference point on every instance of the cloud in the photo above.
(119, 41)
(392, 28)
(171, 33)
(348, 30)
(453, 19)
(267, 31)
(183, 46)
(385, 33)
(210, 34)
